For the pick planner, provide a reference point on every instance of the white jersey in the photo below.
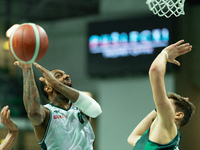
(67, 130)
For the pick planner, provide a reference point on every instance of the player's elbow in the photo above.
(96, 112)
(88, 105)
(154, 71)
(93, 111)
(130, 141)
(35, 117)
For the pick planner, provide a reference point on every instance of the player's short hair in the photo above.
(42, 85)
(183, 105)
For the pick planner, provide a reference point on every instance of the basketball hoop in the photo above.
(166, 8)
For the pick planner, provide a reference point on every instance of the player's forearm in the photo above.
(70, 93)
(158, 66)
(156, 75)
(31, 97)
(145, 123)
(141, 128)
(30, 91)
(8, 141)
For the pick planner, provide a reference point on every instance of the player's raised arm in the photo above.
(156, 74)
(84, 102)
(31, 96)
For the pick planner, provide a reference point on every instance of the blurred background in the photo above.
(80, 33)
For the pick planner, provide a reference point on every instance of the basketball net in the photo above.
(166, 8)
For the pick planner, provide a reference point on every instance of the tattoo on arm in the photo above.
(30, 94)
(68, 92)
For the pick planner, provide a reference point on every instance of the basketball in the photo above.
(28, 43)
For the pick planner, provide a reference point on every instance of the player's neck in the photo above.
(60, 101)
(177, 125)
(62, 104)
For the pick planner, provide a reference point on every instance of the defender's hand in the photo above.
(6, 121)
(176, 50)
(48, 76)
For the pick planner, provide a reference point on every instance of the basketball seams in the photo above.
(11, 46)
(22, 41)
(37, 41)
(44, 40)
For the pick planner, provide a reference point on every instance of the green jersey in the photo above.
(145, 144)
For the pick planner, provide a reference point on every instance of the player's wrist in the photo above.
(13, 133)
(26, 68)
(166, 54)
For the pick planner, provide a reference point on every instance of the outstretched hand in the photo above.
(176, 50)
(6, 121)
(48, 76)
(22, 65)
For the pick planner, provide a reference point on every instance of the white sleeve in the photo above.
(88, 105)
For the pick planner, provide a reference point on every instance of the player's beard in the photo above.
(61, 97)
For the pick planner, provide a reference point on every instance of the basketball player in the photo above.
(12, 129)
(159, 129)
(59, 125)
